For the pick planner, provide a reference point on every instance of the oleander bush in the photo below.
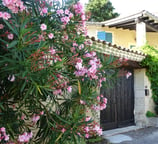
(49, 74)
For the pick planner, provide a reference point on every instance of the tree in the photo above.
(100, 10)
(49, 74)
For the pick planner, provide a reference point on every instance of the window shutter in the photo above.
(109, 37)
(101, 35)
(132, 46)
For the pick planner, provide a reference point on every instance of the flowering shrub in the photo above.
(49, 74)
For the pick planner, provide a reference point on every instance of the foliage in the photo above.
(150, 114)
(94, 140)
(151, 63)
(49, 74)
(100, 10)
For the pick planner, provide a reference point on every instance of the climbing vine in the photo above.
(151, 63)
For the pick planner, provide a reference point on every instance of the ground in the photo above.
(141, 136)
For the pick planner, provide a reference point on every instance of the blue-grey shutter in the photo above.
(108, 37)
(101, 35)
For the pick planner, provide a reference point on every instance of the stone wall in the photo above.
(142, 103)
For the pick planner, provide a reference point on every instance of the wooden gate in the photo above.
(120, 107)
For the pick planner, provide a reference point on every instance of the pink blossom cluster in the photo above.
(76, 46)
(98, 130)
(80, 69)
(91, 70)
(36, 117)
(25, 137)
(91, 129)
(60, 85)
(5, 15)
(100, 81)
(95, 64)
(14, 5)
(3, 135)
(65, 15)
(78, 8)
(101, 103)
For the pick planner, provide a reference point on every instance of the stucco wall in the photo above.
(152, 39)
(122, 37)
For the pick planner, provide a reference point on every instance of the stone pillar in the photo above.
(140, 33)
(142, 102)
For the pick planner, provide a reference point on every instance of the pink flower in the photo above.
(87, 136)
(65, 20)
(1, 14)
(11, 78)
(52, 51)
(59, 11)
(63, 130)
(1, 26)
(2, 129)
(78, 66)
(22, 117)
(82, 102)
(71, 15)
(43, 27)
(65, 37)
(57, 92)
(86, 129)
(75, 44)
(128, 75)
(102, 106)
(45, 10)
(25, 137)
(105, 100)
(98, 130)
(78, 134)
(88, 118)
(67, 12)
(83, 17)
(98, 98)
(6, 16)
(7, 2)
(10, 36)
(50, 35)
(35, 118)
(69, 89)
(42, 113)
(6, 137)
(81, 72)
(81, 46)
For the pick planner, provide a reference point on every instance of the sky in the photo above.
(124, 7)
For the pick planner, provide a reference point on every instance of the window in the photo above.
(106, 36)
(132, 46)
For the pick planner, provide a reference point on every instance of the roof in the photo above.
(118, 51)
(129, 22)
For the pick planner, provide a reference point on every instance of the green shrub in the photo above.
(150, 114)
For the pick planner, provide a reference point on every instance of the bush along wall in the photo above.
(49, 74)
(151, 63)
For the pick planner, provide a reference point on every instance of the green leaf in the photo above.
(12, 44)
(13, 29)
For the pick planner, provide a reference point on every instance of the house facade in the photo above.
(131, 98)
(125, 31)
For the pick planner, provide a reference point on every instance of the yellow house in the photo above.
(122, 37)
(129, 31)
